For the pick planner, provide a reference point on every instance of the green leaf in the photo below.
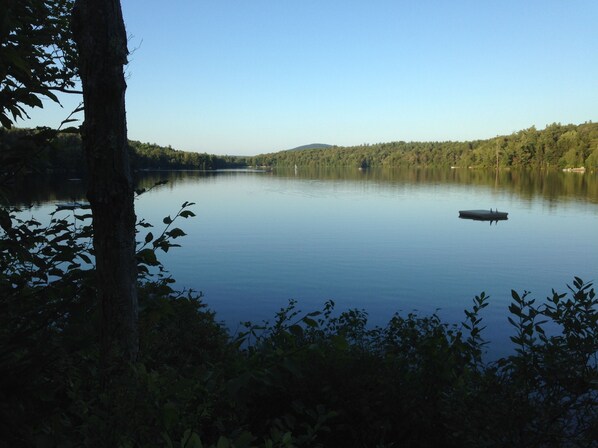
(185, 437)
(517, 340)
(149, 237)
(515, 310)
(5, 221)
(5, 121)
(191, 440)
(243, 440)
(170, 415)
(310, 322)
(148, 256)
(223, 442)
(296, 330)
(85, 258)
(167, 220)
(339, 342)
(50, 95)
(175, 233)
(167, 440)
(33, 101)
(186, 214)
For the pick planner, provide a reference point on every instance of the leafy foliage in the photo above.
(37, 56)
(311, 379)
(47, 312)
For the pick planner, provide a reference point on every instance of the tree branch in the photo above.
(65, 90)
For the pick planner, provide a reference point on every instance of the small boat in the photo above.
(483, 215)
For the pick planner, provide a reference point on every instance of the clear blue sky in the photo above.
(248, 77)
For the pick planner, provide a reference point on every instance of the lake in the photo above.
(380, 240)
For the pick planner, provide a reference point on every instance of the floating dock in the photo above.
(483, 215)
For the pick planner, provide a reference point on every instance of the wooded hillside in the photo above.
(557, 146)
(65, 154)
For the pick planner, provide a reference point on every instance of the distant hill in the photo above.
(311, 146)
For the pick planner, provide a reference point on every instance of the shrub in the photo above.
(305, 380)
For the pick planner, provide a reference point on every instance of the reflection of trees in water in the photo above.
(37, 189)
(147, 179)
(527, 184)
(551, 186)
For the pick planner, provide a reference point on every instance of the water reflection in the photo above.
(551, 186)
(380, 239)
(39, 189)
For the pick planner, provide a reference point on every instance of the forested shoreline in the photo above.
(65, 154)
(556, 146)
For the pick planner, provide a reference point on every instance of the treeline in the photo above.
(65, 154)
(152, 156)
(557, 146)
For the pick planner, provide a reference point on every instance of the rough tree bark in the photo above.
(99, 32)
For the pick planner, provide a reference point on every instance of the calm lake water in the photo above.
(379, 240)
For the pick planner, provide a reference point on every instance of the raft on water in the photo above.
(483, 215)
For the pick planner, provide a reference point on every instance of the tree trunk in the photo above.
(100, 35)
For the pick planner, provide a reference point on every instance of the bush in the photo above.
(304, 380)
